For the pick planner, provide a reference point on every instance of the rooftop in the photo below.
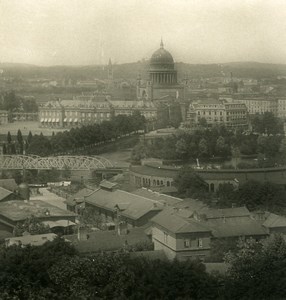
(273, 220)
(16, 210)
(4, 193)
(33, 240)
(156, 196)
(9, 184)
(231, 222)
(132, 205)
(172, 221)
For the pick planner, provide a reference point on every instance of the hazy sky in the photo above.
(67, 32)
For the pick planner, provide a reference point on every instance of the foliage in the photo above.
(85, 136)
(267, 123)
(254, 195)
(190, 184)
(90, 216)
(220, 247)
(31, 225)
(257, 270)
(24, 271)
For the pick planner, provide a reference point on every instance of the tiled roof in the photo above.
(191, 204)
(134, 206)
(225, 212)
(9, 184)
(273, 220)
(230, 224)
(235, 227)
(170, 220)
(4, 193)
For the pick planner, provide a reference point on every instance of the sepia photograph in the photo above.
(142, 149)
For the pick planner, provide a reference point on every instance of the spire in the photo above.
(161, 44)
(109, 62)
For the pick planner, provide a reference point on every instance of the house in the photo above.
(121, 206)
(76, 202)
(271, 222)
(186, 231)
(32, 240)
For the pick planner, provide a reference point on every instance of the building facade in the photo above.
(3, 117)
(217, 112)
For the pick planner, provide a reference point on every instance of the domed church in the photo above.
(162, 84)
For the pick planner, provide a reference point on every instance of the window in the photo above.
(165, 237)
(200, 243)
(187, 244)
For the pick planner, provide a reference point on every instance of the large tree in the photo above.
(257, 270)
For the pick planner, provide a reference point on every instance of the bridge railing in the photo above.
(54, 162)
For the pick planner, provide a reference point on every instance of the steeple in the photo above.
(161, 44)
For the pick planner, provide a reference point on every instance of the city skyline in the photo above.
(90, 32)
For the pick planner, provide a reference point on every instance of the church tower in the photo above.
(110, 71)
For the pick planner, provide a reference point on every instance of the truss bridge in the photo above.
(31, 162)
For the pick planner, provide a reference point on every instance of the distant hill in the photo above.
(131, 70)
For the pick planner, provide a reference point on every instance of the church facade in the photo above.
(162, 85)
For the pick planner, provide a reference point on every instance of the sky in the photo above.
(88, 32)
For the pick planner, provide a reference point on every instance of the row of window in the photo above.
(198, 243)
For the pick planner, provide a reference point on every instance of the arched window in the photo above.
(212, 187)
(158, 182)
(168, 183)
(154, 182)
(162, 183)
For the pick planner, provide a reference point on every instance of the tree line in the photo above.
(216, 142)
(57, 271)
(13, 103)
(76, 137)
(253, 194)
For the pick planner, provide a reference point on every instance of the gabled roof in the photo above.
(235, 227)
(4, 193)
(107, 184)
(133, 206)
(9, 184)
(225, 212)
(231, 224)
(78, 197)
(273, 220)
(171, 221)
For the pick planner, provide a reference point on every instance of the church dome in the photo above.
(162, 59)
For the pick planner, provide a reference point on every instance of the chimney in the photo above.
(122, 228)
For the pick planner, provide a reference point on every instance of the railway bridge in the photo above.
(73, 163)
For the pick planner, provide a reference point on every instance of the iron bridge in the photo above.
(31, 162)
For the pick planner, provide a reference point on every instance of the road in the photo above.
(50, 198)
